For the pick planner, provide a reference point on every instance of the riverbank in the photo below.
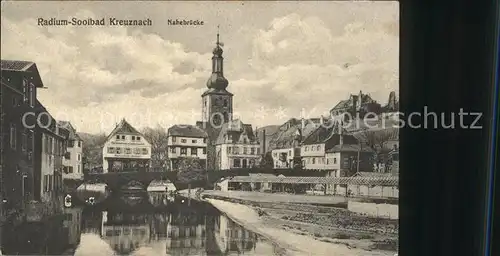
(302, 226)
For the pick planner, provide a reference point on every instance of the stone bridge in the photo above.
(137, 180)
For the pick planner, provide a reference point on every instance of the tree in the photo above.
(267, 161)
(190, 171)
(377, 141)
(92, 149)
(157, 137)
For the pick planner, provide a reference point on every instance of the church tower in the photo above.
(217, 102)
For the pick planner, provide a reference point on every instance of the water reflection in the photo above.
(155, 224)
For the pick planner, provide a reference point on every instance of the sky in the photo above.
(282, 59)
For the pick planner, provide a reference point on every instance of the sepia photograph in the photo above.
(199, 128)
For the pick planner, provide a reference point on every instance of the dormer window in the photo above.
(123, 137)
(117, 137)
(133, 137)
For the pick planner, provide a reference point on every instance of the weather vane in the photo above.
(219, 43)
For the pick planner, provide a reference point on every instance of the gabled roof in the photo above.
(341, 105)
(185, 130)
(125, 128)
(22, 66)
(72, 131)
(349, 148)
(16, 65)
(245, 129)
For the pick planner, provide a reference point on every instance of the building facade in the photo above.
(19, 81)
(186, 141)
(126, 149)
(53, 140)
(237, 146)
(73, 159)
(356, 104)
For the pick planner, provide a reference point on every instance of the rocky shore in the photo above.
(300, 228)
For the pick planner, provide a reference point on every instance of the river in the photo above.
(150, 223)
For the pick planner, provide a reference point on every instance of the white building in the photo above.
(186, 141)
(72, 161)
(286, 142)
(125, 149)
(236, 146)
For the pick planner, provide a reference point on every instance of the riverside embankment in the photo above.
(307, 227)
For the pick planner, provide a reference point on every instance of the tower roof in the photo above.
(217, 79)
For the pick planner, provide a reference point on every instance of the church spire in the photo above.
(217, 80)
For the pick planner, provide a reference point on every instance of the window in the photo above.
(137, 138)
(225, 103)
(111, 150)
(79, 144)
(244, 151)
(24, 143)
(244, 163)
(258, 151)
(318, 148)
(335, 160)
(79, 157)
(117, 137)
(174, 139)
(194, 151)
(25, 90)
(137, 151)
(229, 150)
(145, 151)
(78, 169)
(306, 149)
(32, 95)
(183, 140)
(236, 163)
(204, 151)
(235, 150)
(128, 151)
(252, 151)
(45, 183)
(118, 150)
(133, 137)
(313, 160)
(193, 141)
(172, 150)
(13, 136)
(183, 151)
(204, 140)
(123, 137)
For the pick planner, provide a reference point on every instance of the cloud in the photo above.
(98, 76)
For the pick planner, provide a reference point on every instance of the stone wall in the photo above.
(390, 211)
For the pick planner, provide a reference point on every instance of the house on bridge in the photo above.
(126, 149)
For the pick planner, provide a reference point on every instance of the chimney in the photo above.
(321, 120)
(263, 146)
(341, 135)
(303, 124)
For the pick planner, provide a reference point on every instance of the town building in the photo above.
(186, 141)
(126, 149)
(19, 81)
(286, 143)
(356, 105)
(225, 135)
(73, 159)
(237, 146)
(324, 140)
(50, 141)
